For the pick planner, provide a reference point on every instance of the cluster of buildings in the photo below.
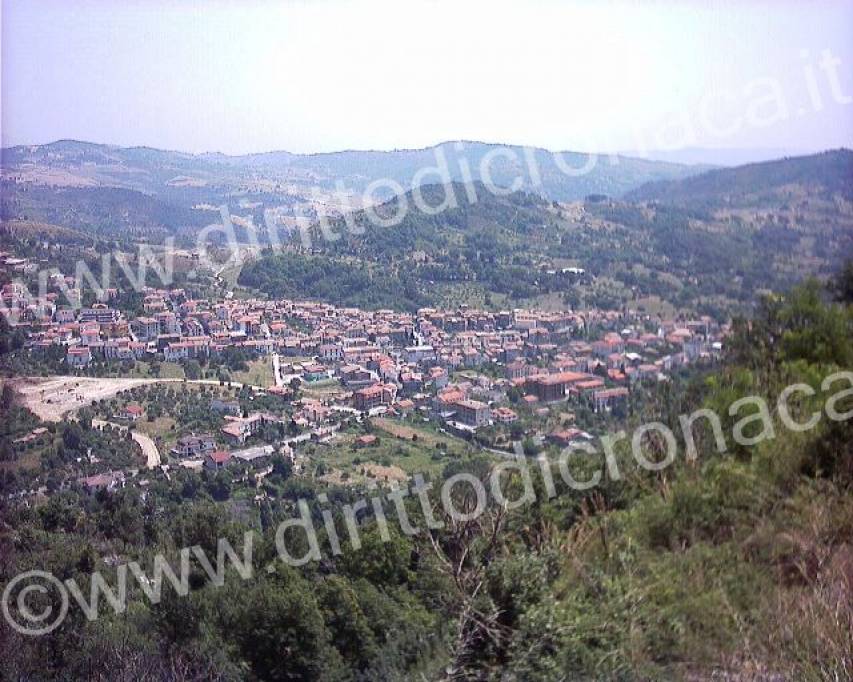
(394, 361)
(466, 369)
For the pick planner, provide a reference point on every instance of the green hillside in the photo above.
(496, 251)
(106, 188)
(828, 174)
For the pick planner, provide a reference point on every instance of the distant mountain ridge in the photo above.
(830, 171)
(718, 156)
(559, 176)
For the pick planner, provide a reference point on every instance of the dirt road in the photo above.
(152, 454)
(149, 449)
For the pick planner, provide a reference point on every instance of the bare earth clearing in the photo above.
(51, 398)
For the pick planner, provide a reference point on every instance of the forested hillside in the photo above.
(701, 243)
(829, 173)
(100, 211)
(494, 251)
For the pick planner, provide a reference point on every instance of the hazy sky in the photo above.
(327, 75)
